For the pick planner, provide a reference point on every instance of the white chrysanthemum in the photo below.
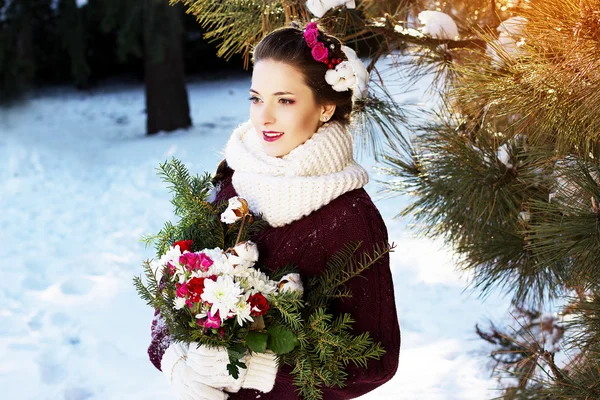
(261, 283)
(438, 25)
(291, 283)
(242, 311)
(179, 303)
(319, 7)
(229, 216)
(222, 294)
(221, 265)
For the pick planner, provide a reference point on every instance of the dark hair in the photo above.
(289, 46)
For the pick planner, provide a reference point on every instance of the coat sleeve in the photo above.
(160, 340)
(372, 306)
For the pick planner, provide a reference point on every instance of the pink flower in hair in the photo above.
(320, 52)
(311, 35)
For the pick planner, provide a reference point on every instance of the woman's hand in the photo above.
(186, 383)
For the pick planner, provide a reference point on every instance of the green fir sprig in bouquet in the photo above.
(206, 284)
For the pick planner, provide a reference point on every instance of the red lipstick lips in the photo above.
(271, 136)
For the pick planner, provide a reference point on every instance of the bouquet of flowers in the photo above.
(209, 289)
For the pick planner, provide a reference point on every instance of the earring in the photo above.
(324, 118)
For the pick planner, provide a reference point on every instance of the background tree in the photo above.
(153, 30)
(505, 170)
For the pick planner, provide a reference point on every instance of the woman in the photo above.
(293, 163)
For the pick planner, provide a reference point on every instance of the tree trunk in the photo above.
(24, 49)
(167, 104)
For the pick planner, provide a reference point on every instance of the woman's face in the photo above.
(283, 109)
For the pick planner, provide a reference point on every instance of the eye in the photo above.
(254, 99)
(286, 101)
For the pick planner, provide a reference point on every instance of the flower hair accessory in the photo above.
(342, 75)
(350, 74)
(318, 50)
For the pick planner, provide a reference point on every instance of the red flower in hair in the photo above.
(184, 245)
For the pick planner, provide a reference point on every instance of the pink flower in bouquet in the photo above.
(259, 304)
(181, 290)
(212, 321)
(196, 261)
(184, 245)
(172, 268)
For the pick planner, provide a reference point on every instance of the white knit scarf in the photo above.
(286, 189)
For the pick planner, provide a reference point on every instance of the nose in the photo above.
(267, 114)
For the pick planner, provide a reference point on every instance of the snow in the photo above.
(438, 25)
(79, 188)
(320, 7)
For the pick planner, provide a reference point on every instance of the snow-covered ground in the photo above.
(78, 188)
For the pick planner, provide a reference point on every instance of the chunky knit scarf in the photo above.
(286, 189)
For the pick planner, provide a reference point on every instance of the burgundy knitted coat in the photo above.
(308, 243)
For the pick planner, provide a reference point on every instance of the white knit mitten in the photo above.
(186, 384)
(210, 364)
(259, 374)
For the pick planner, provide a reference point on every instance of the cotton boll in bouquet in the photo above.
(208, 286)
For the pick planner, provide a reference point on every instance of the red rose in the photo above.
(258, 304)
(195, 289)
(320, 52)
(184, 245)
(311, 35)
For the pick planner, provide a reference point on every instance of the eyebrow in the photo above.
(274, 94)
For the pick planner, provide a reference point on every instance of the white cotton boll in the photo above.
(230, 216)
(341, 86)
(291, 283)
(503, 155)
(345, 70)
(438, 25)
(319, 7)
(332, 77)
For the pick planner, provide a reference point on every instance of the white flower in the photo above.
(222, 294)
(179, 303)
(261, 283)
(438, 25)
(237, 206)
(319, 7)
(242, 311)
(291, 282)
(221, 265)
